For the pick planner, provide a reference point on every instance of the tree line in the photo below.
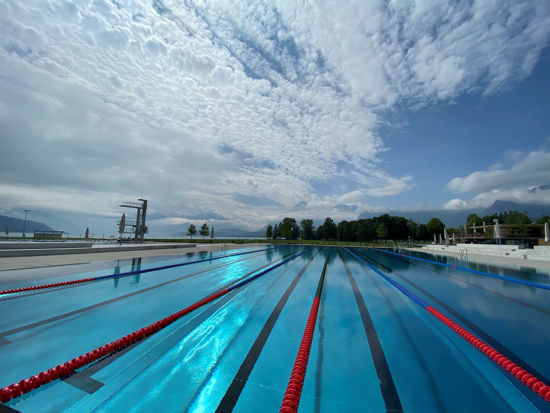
(360, 230)
(384, 227)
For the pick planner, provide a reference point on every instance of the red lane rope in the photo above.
(26, 385)
(531, 381)
(124, 274)
(291, 399)
(44, 286)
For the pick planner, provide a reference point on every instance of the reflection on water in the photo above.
(136, 266)
(190, 254)
(116, 272)
(269, 255)
(203, 255)
(309, 252)
(329, 253)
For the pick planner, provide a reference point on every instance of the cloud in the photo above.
(346, 208)
(191, 104)
(526, 181)
(532, 169)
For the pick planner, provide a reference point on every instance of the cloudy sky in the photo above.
(246, 112)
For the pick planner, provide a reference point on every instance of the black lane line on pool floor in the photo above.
(4, 341)
(83, 380)
(7, 409)
(320, 354)
(229, 343)
(479, 331)
(231, 396)
(387, 385)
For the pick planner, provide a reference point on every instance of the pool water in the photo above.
(373, 348)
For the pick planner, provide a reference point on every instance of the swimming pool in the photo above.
(373, 347)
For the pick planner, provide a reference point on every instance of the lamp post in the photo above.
(25, 221)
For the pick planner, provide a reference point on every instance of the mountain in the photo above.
(73, 223)
(16, 225)
(454, 218)
(534, 211)
(231, 233)
(451, 218)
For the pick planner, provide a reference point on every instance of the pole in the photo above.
(25, 221)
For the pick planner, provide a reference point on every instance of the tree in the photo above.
(381, 231)
(191, 230)
(474, 219)
(277, 231)
(328, 230)
(366, 230)
(204, 231)
(295, 232)
(269, 232)
(422, 232)
(287, 227)
(307, 229)
(413, 228)
(543, 219)
(212, 233)
(517, 218)
(87, 233)
(435, 226)
(344, 231)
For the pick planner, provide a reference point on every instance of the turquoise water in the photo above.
(196, 363)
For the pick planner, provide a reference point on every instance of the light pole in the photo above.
(25, 221)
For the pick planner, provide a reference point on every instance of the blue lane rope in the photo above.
(164, 267)
(458, 267)
(409, 294)
(246, 281)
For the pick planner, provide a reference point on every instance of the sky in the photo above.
(242, 112)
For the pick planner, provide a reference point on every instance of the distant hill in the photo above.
(230, 232)
(454, 218)
(235, 232)
(533, 210)
(448, 217)
(16, 225)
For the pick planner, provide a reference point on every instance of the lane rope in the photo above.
(124, 274)
(26, 385)
(528, 379)
(291, 399)
(458, 267)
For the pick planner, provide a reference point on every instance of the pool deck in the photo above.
(493, 259)
(14, 263)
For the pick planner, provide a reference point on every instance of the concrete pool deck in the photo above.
(492, 259)
(15, 263)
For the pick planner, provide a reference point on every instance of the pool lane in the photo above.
(59, 316)
(46, 345)
(433, 369)
(387, 384)
(198, 370)
(496, 312)
(193, 364)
